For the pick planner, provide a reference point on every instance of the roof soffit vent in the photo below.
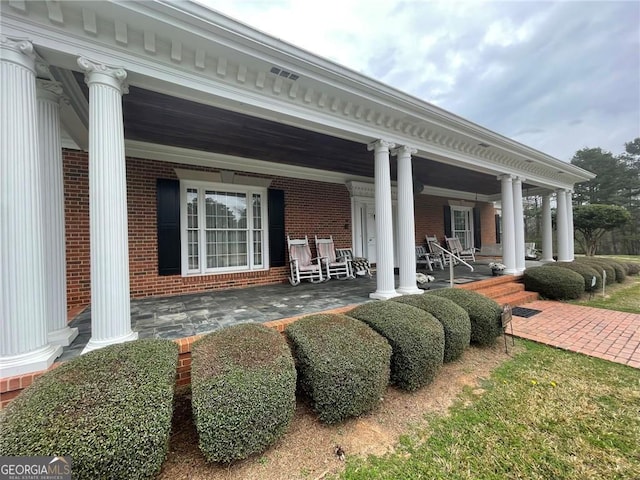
(284, 73)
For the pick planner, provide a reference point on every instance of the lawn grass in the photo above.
(546, 414)
(623, 297)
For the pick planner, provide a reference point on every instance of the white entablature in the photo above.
(191, 52)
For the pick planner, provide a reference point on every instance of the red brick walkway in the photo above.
(614, 336)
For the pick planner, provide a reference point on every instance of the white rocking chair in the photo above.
(303, 266)
(455, 247)
(335, 266)
(437, 255)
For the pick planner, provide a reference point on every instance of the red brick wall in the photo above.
(310, 208)
(429, 217)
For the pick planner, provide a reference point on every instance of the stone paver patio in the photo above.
(606, 334)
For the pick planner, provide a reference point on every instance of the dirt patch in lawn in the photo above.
(308, 449)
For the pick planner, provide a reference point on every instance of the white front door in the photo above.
(462, 225)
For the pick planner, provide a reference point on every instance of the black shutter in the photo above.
(277, 240)
(477, 229)
(447, 221)
(498, 229)
(168, 196)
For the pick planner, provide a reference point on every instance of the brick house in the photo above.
(151, 148)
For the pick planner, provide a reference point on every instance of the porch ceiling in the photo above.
(162, 119)
(166, 120)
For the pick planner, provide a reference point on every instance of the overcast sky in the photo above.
(555, 75)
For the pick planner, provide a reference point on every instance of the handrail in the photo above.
(451, 257)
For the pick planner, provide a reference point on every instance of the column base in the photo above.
(63, 337)
(384, 295)
(565, 259)
(34, 361)
(409, 291)
(98, 344)
(510, 271)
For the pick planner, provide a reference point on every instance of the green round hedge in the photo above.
(110, 410)
(454, 319)
(343, 365)
(415, 336)
(633, 268)
(587, 272)
(484, 313)
(554, 282)
(243, 390)
(599, 266)
(621, 271)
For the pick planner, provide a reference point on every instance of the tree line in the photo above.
(606, 208)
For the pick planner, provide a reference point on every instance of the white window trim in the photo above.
(220, 187)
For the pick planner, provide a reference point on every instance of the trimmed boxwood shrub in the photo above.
(554, 282)
(454, 319)
(599, 266)
(415, 336)
(621, 271)
(584, 269)
(243, 382)
(633, 268)
(110, 410)
(343, 365)
(484, 313)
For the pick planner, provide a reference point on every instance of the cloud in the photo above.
(557, 76)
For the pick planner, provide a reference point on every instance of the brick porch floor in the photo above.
(606, 334)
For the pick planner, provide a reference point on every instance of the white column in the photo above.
(23, 315)
(406, 223)
(49, 94)
(385, 282)
(562, 225)
(110, 307)
(518, 221)
(508, 230)
(547, 231)
(570, 231)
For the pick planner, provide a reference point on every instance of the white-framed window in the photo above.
(223, 228)
(462, 225)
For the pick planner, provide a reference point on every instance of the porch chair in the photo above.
(359, 265)
(303, 266)
(455, 247)
(422, 257)
(437, 255)
(335, 266)
(530, 251)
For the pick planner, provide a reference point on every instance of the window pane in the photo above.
(257, 211)
(193, 249)
(192, 208)
(257, 247)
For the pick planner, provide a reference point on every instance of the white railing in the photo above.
(451, 265)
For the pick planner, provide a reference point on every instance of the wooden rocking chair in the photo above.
(455, 247)
(437, 256)
(303, 266)
(335, 266)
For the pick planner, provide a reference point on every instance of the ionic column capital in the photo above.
(101, 73)
(506, 176)
(404, 150)
(380, 145)
(19, 51)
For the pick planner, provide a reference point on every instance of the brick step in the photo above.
(515, 299)
(501, 290)
(490, 282)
